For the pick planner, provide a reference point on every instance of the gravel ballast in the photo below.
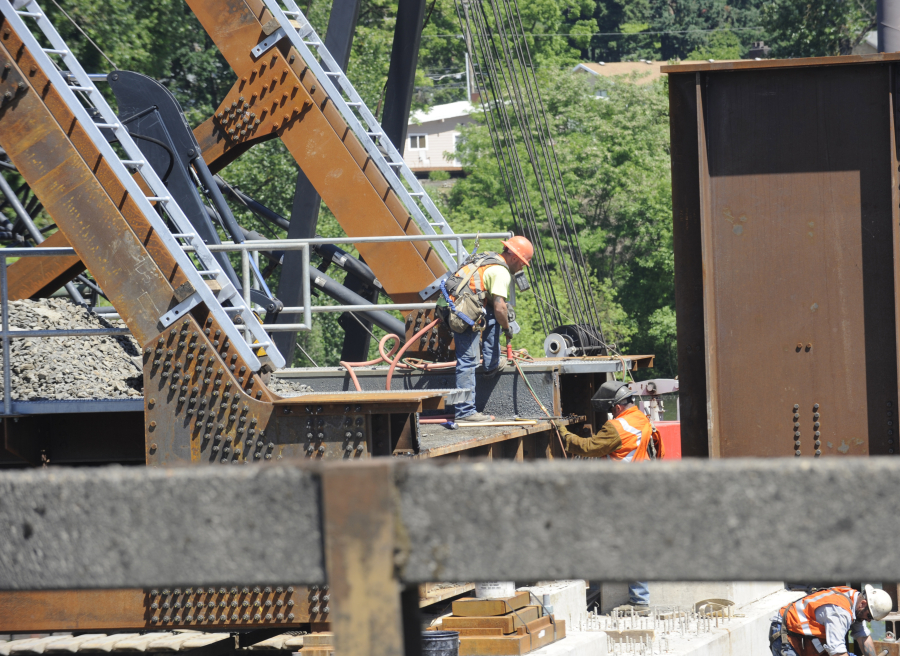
(56, 368)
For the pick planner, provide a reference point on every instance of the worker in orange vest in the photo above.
(818, 623)
(627, 437)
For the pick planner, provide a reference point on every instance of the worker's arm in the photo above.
(604, 442)
(501, 313)
(868, 646)
(837, 623)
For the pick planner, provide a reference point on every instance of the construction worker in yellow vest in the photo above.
(628, 437)
(818, 623)
(477, 313)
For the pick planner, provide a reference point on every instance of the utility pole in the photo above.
(888, 18)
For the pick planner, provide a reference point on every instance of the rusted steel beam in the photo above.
(36, 277)
(76, 187)
(361, 542)
(133, 609)
(285, 98)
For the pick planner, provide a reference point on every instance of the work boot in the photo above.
(475, 418)
(487, 375)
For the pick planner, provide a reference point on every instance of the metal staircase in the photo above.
(296, 28)
(69, 77)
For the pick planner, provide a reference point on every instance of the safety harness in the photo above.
(784, 634)
(464, 301)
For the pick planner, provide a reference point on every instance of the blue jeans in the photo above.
(468, 346)
(775, 643)
(638, 593)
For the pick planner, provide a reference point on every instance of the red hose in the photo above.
(403, 350)
(349, 365)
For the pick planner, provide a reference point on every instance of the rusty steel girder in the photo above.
(787, 255)
(200, 608)
(277, 95)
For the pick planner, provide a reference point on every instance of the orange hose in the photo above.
(349, 365)
(403, 350)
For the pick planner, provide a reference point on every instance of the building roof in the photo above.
(610, 69)
(442, 112)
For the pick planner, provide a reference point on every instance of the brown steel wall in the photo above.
(688, 269)
(785, 215)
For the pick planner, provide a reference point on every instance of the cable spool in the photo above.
(558, 346)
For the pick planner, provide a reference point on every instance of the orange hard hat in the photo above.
(520, 247)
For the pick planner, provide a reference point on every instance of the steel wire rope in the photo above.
(542, 131)
(495, 109)
(511, 91)
(581, 300)
(493, 132)
(595, 315)
(519, 206)
(533, 133)
(530, 125)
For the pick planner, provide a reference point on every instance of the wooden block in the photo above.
(479, 632)
(893, 648)
(506, 623)
(490, 607)
(539, 633)
(512, 645)
(318, 639)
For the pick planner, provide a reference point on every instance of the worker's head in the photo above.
(614, 396)
(517, 251)
(873, 604)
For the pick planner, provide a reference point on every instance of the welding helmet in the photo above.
(611, 392)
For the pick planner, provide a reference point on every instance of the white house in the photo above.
(431, 137)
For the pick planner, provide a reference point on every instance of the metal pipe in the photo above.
(342, 295)
(888, 25)
(72, 332)
(32, 229)
(297, 244)
(307, 313)
(362, 308)
(41, 251)
(4, 324)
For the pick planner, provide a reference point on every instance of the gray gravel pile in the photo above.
(95, 367)
(288, 387)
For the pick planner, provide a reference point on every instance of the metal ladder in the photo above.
(364, 125)
(77, 80)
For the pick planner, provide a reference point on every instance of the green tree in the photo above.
(817, 28)
(614, 157)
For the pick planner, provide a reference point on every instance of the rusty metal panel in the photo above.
(793, 191)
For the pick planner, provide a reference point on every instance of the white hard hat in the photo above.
(880, 603)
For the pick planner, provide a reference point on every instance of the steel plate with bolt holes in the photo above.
(793, 216)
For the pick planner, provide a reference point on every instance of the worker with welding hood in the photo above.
(475, 309)
(818, 623)
(628, 436)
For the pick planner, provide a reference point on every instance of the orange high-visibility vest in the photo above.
(636, 432)
(800, 618)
